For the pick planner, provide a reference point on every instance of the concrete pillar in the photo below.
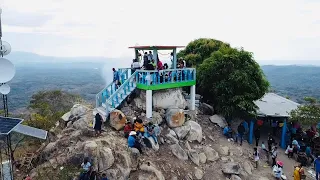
(251, 131)
(283, 135)
(174, 58)
(193, 97)
(149, 103)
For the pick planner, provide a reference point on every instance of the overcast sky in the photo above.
(286, 30)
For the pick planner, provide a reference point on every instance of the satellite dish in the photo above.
(4, 89)
(5, 48)
(7, 70)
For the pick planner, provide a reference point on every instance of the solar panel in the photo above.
(8, 124)
(31, 131)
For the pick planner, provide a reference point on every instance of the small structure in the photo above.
(149, 80)
(271, 106)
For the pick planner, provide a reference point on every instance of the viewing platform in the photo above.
(149, 74)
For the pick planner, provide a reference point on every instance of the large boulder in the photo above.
(194, 156)
(206, 109)
(150, 167)
(231, 168)
(179, 152)
(106, 158)
(66, 116)
(170, 98)
(211, 154)
(219, 120)
(139, 103)
(182, 131)
(195, 133)
(198, 173)
(175, 117)
(172, 137)
(78, 110)
(117, 119)
(156, 118)
(154, 145)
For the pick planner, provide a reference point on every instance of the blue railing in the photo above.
(123, 91)
(165, 76)
(104, 94)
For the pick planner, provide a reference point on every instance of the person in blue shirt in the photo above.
(132, 141)
(317, 167)
(104, 177)
(116, 78)
(227, 131)
(86, 167)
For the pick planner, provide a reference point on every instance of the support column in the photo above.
(137, 55)
(155, 56)
(283, 136)
(251, 131)
(193, 97)
(174, 58)
(149, 103)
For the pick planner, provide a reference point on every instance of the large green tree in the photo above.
(308, 113)
(200, 49)
(231, 80)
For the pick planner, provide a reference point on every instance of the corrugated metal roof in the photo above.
(274, 105)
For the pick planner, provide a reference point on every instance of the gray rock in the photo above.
(206, 109)
(231, 168)
(247, 166)
(139, 103)
(156, 118)
(219, 120)
(182, 131)
(170, 98)
(149, 167)
(66, 116)
(198, 173)
(211, 154)
(78, 110)
(175, 117)
(224, 150)
(195, 133)
(194, 156)
(202, 158)
(155, 146)
(178, 152)
(172, 138)
(235, 177)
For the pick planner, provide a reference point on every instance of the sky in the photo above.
(274, 30)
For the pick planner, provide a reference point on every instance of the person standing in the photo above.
(241, 131)
(150, 56)
(298, 172)
(274, 155)
(317, 167)
(116, 78)
(257, 136)
(270, 142)
(256, 157)
(145, 60)
(135, 65)
(98, 124)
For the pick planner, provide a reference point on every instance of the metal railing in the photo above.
(167, 76)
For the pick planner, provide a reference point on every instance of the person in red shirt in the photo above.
(127, 129)
(159, 65)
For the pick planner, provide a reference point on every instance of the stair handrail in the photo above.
(109, 85)
(120, 88)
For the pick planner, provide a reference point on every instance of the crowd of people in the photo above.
(139, 132)
(297, 139)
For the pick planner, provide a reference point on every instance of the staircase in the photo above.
(109, 98)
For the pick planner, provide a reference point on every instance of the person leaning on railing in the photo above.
(135, 65)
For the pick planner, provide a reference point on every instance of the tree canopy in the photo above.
(200, 49)
(227, 77)
(307, 114)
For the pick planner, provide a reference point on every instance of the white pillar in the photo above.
(193, 97)
(149, 103)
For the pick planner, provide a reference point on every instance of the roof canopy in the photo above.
(276, 106)
(156, 47)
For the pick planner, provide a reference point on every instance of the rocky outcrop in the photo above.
(231, 168)
(206, 109)
(117, 119)
(156, 118)
(198, 173)
(178, 152)
(171, 98)
(175, 117)
(172, 137)
(182, 131)
(194, 157)
(195, 133)
(219, 120)
(211, 154)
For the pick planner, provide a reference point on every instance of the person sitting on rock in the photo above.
(132, 141)
(104, 177)
(127, 129)
(151, 132)
(86, 167)
(138, 126)
(227, 131)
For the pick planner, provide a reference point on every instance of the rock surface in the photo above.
(206, 109)
(117, 119)
(194, 157)
(179, 152)
(219, 120)
(195, 133)
(175, 117)
(211, 154)
(202, 158)
(198, 173)
(182, 131)
(171, 98)
(231, 168)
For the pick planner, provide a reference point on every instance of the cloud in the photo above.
(270, 29)
(12, 18)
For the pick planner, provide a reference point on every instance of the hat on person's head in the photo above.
(132, 133)
(280, 163)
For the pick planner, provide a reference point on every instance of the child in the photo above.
(263, 147)
(256, 156)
